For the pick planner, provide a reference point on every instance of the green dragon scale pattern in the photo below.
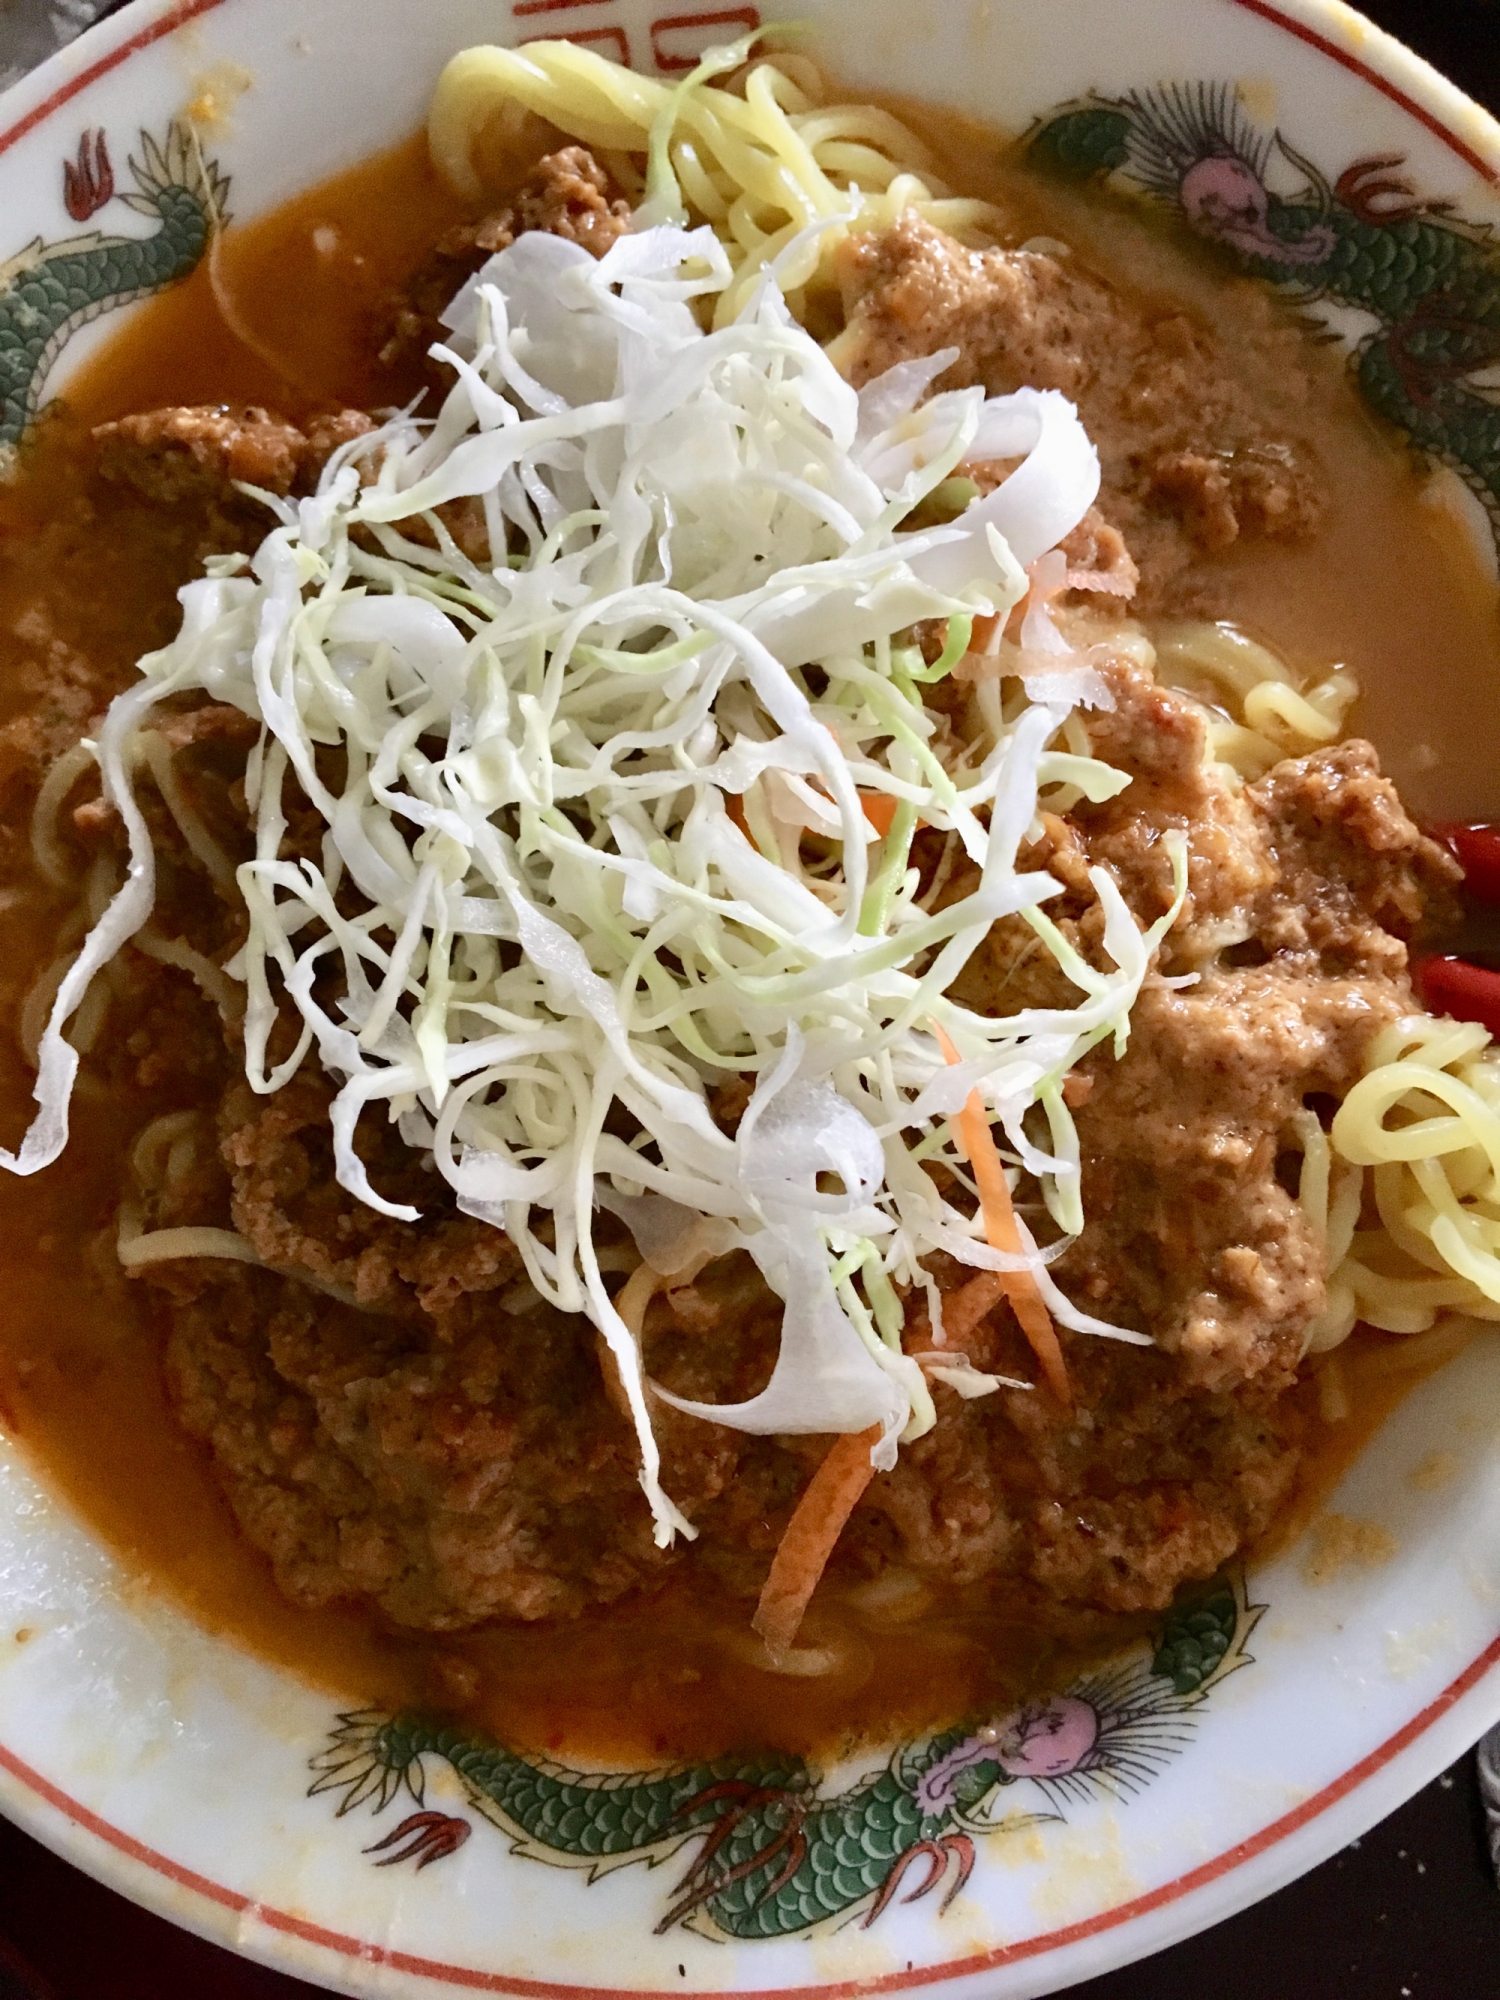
(49, 291)
(775, 1853)
(1437, 295)
(1367, 241)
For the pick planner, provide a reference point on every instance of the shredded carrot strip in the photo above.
(880, 810)
(817, 1521)
(1000, 1229)
(965, 1308)
(984, 640)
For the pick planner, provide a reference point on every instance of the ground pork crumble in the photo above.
(393, 1415)
(1190, 462)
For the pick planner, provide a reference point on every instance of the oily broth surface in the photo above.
(1385, 583)
(1390, 586)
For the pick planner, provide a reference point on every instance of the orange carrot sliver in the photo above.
(832, 1494)
(984, 639)
(978, 1142)
(965, 1308)
(880, 810)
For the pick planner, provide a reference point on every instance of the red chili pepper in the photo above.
(1477, 851)
(1467, 992)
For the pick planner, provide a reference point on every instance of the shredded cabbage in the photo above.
(596, 835)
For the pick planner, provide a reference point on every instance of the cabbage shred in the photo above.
(595, 810)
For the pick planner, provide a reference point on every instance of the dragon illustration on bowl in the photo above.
(780, 1848)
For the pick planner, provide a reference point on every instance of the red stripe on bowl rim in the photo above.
(472, 1980)
(173, 19)
(1486, 169)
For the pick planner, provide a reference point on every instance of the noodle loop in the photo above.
(760, 167)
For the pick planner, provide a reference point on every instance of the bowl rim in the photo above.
(1331, 27)
(1287, 1847)
(1411, 1758)
(1340, 32)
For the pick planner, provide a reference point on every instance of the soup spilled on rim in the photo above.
(366, 1446)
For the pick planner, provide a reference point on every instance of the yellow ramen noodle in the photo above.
(760, 167)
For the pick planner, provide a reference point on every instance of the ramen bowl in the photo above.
(1258, 1726)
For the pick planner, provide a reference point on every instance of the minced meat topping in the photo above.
(393, 1413)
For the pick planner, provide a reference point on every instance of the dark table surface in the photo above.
(1411, 1912)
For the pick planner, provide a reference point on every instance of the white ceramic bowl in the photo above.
(1265, 1727)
